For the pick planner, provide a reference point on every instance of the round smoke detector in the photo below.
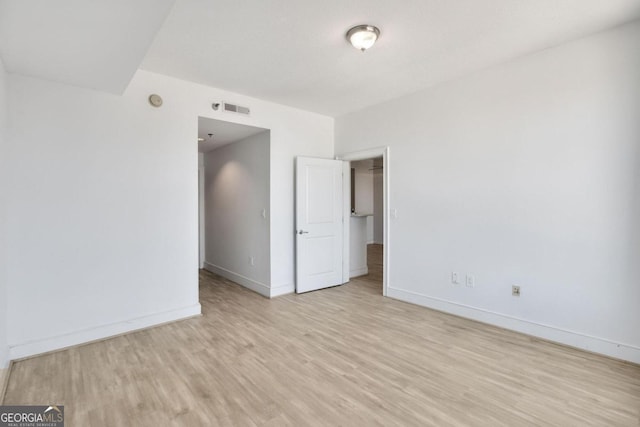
(155, 100)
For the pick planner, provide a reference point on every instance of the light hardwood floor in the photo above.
(342, 356)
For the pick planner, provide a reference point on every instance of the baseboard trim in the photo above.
(578, 340)
(358, 272)
(255, 286)
(280, 290)
(38, 347)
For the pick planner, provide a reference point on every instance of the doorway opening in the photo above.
(234, 202)
(366, 239)
(367, 234)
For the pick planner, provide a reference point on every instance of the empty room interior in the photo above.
(281, 213)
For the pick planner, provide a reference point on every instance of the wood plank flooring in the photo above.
(343, 356)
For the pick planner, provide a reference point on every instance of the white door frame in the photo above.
(362, 155)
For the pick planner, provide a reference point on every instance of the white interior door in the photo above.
(319, 223)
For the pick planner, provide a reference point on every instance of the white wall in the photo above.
(369, 198)
(358, 246)
(378, 207)
(103, 204)
(201, 201)
(4, 349)
(363, 183)
(527, 173)
(237, 212)
(293, 133)
(364, 187)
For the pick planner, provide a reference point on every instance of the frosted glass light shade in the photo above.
(362, 37)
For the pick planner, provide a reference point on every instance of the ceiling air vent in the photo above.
(236, 108)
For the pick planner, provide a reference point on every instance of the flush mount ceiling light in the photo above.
(362, 37)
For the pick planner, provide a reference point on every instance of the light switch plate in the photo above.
(471, 281)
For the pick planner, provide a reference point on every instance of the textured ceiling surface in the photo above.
(92, 44)
(289, 51)
(222, 133)
(295, 52)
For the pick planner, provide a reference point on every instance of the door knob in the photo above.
(303, 232)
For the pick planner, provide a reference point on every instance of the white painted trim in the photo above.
(551, 333)
(85, 336)
(358, 272)
(363, 154)
(368, 154)
(346, 221)
(285, 289)
(254, 285)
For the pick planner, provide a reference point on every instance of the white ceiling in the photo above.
(93, 44)
(295, 53)
(223, 133)
(288, 51)
(368, 165)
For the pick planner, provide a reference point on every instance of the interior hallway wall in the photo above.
(236, 193)
(378, 207)
(364, 193)
(201, 201)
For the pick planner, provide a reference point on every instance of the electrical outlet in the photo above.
(515, 290)
(455, 278)
(252, 261)
(471, 281)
